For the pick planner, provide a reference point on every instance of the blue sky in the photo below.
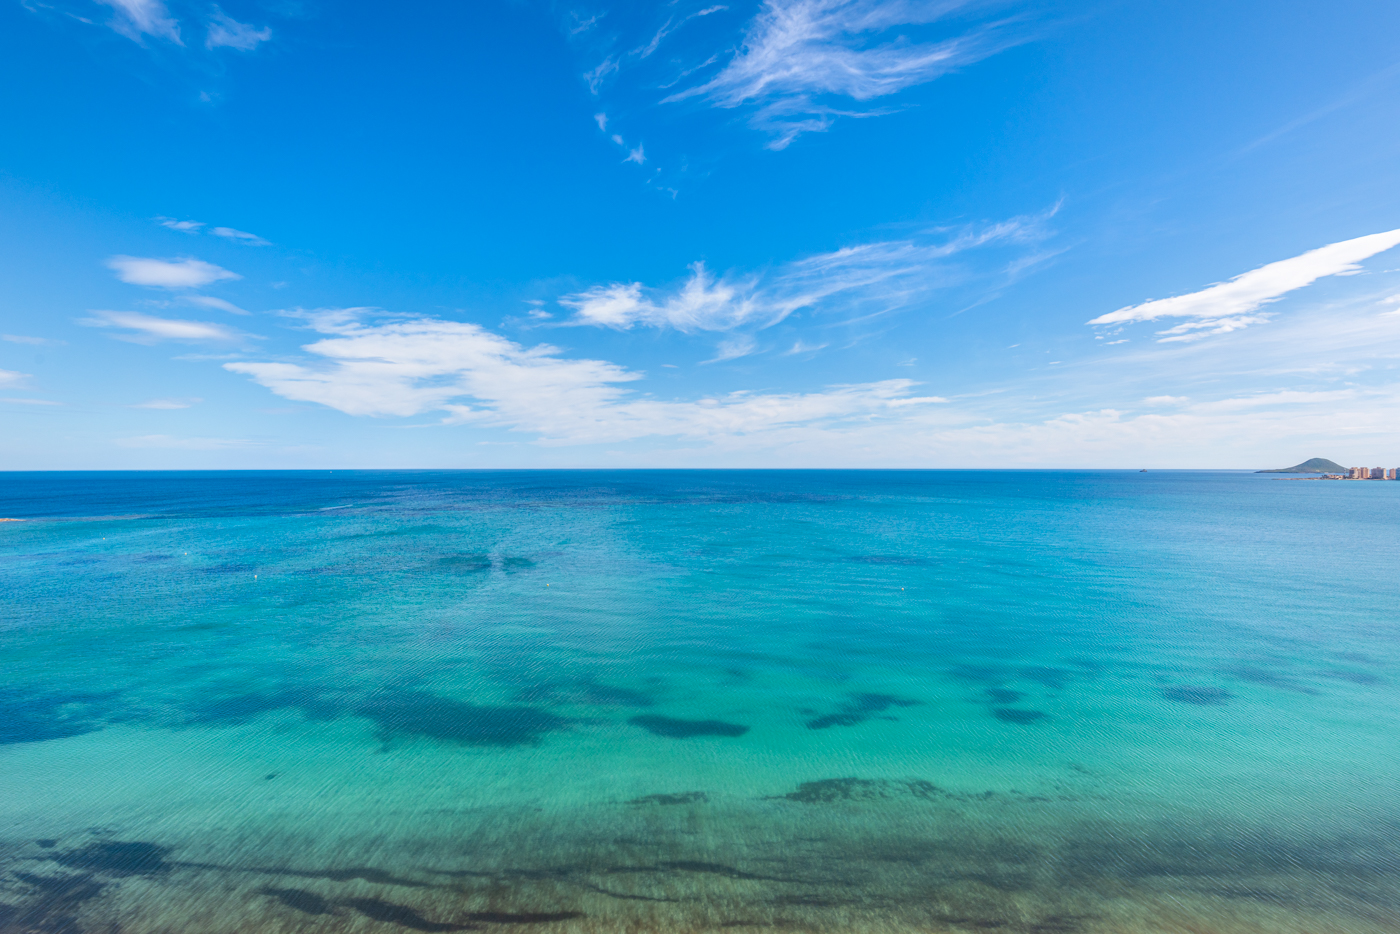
(793, 233)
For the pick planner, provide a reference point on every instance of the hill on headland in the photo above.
(1312, 465)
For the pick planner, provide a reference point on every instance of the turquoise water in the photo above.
(680, 701)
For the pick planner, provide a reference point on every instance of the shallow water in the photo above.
(683, 701)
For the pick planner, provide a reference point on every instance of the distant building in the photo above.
(1393, 473)
(1377, 473)
(1356, 473)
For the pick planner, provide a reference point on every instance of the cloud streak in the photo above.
(798, 55)
(146, 329)
(137, 18)
(241, 236)
(226, 32)
(870, 278)
(1235, 304)
(185, 273)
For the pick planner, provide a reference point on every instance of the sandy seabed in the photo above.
(835, 855)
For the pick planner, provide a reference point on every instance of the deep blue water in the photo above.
(671, 700)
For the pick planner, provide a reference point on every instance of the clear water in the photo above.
(685, 701)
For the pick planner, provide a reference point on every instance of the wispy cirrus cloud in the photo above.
(140, 20)
(241, 236)
(406, 367)
(1235, 304)
(209, 301)
(183, 273)
(223, 31)
(228, 233)
(871, 278)
(182, 226)
(146, 329)
(137, 19)
(12, 377)
(671, 25)
(800, 59)
(167, 404)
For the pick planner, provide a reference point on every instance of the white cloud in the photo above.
(22, 339)
(669, 27)
(185, 444)
(797, 51)
(409, 367)
(870, 278)
(209, 301)
(226, 32)
(145, 329)
(1233, 305)
(602, 121)
(636, 155)
(242, 236)
(12, 377)
(183, 273)
(1321, 383)
(31, 402)
(701, 304)
(230, 233)
(596, 77)
(406, 367)
(577, 24)
(413, 366)
(167, 404)
(732, 348)
(137, 18)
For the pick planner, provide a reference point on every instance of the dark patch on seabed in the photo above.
(419, 713)
(687, 797)
(828, 790)
(465, 564)
(52, 904)
(306, 902)
(858, 709)
(313, 703)
(1003, 696)
(684, 729)
(1196, 694)
(117, 858)
(35, 716)
(524, 917)
(1256, 675)
(380, 910)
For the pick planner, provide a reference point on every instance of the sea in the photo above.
(1070, 702)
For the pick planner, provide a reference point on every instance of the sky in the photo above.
(790, 233)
